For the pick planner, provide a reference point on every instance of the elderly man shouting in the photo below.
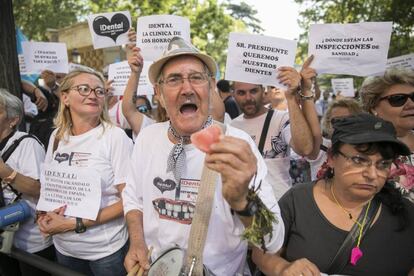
(162, 188)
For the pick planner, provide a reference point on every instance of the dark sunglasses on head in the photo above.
(398, 100)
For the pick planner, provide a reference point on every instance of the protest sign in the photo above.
(77, 188)
(22, 64)
(109, 29)
(39, 56)
(406, 61)
(359, 49)
(119, 72)
(154, 32)
(343, 87)
(255, 58)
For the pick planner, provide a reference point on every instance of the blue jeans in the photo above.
(112, 265)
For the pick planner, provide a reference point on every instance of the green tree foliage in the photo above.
(35, 16)
(211, 20)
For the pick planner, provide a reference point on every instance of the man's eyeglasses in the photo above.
(176, 81)
(364, 162)
(85, 90)
(398, 100)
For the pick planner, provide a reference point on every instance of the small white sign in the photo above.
(145, 87)
(343, 87)
(120, 72)
(75, 66)
(256, 58)
(154, 32)
(406, 61)
(22, 64)
(359, 49)
(77, 188)
(39, 56)
(109, 29)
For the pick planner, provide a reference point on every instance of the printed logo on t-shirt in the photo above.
(167, 185)
(181, 208)
(279, 148)
(78, 159)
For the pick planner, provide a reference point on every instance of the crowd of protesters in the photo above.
(331, 179)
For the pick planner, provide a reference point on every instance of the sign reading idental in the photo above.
(359, 49)
(109, 29)
(39, 56)
(343, 87)
(77, 188)
(256, 58)
(154, 32)
(406, 61)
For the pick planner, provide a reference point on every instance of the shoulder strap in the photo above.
(5, 156)
(264, 130)
(201, 218)
(342, 257)
(323, 148)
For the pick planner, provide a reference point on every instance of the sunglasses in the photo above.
(398, 100)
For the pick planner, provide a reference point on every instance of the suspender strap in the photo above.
(201, 219)
(264, 130)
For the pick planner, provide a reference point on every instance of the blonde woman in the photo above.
(85, 138)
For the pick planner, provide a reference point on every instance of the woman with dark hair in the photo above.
(352, 221)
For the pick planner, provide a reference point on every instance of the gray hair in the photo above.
(12, 105)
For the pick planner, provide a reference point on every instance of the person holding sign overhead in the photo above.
(165, 184)
(86, 144)
(298, 128)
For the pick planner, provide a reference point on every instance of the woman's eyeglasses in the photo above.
(360, 161)
(398, 100)
(85, 90)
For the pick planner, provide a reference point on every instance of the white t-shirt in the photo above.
(117, 116)
(26, 160)
(276, 150)
(146, 121)
(105, 149)
(168, 208)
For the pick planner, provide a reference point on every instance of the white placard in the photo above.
(120, 72)
(145, 87)
(39, 56)
(406, 61)
(154, 32)
(22, 65)
(109, 29)
(255, 58)
(359, 49)
(77, 188)
(343, 87)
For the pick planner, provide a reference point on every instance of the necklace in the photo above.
(356, 252)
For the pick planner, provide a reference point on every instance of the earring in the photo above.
(375, 113)
(11, 126)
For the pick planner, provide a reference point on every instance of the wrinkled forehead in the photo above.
(183, 64)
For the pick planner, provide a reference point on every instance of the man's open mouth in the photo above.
(188, 108)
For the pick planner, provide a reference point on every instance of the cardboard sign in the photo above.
(343, 87)
(359, 49)
(39, 56)
(255, 58)
(77, 188)
(406, 61)
(120, 72)
(109, 29)
(154, 32)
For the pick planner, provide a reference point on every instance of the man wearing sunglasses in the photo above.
(391, 97)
